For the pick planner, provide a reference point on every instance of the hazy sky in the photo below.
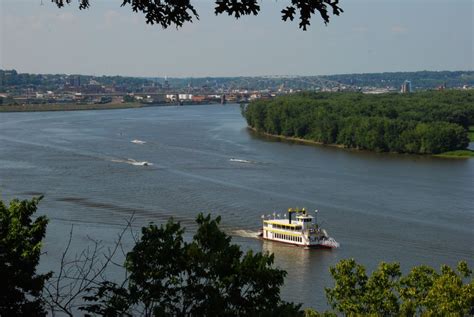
(370, 36)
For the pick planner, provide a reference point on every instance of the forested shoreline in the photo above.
(430, 122)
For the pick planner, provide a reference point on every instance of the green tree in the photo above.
(386, 292)
(421, 123)
(208, 276)
(20, 250)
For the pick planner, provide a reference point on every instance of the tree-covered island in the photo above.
(430, 122)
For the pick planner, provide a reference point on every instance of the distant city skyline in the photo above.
(370, 36)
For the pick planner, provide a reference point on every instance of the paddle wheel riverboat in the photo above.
(301, 230)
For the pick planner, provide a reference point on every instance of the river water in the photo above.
(379, 207)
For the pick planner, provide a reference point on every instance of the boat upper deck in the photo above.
(283, 224)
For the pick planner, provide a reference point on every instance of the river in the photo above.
(379, 207)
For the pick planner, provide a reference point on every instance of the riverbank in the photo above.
(459, 154)
(69, 107)
(293, 139)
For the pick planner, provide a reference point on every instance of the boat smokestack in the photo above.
(289, 215)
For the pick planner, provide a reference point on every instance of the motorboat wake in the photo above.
(134, 162)
(240, 160)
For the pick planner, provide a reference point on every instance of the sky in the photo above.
(370, 36)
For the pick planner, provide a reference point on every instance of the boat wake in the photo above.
(240, 160)
(138, 141)
(133, 162)
(246, 233)
(330, 243)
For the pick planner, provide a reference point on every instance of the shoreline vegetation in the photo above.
(436, 123)
(461, 154)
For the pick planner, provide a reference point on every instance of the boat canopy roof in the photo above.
(281, 222)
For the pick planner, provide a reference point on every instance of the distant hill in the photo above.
(420, 80)
(423, 80)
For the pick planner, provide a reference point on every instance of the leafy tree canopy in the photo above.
(208, 276)
(428, 122)
(177, 12)
(387, 292)
(20, 250)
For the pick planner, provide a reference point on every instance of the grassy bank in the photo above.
(68, 107)
(457, 154)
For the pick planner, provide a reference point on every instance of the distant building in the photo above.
(92, 88)
(74, 81)
(406, 87)
(185, 97)
(198, 98)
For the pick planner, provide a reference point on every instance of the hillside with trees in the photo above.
(428, 122)
(421, 80)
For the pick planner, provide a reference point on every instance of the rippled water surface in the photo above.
(378, 206)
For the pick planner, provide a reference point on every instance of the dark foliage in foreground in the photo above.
(208, 276)
(421, 123)
(20, 250)
(177, 12)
